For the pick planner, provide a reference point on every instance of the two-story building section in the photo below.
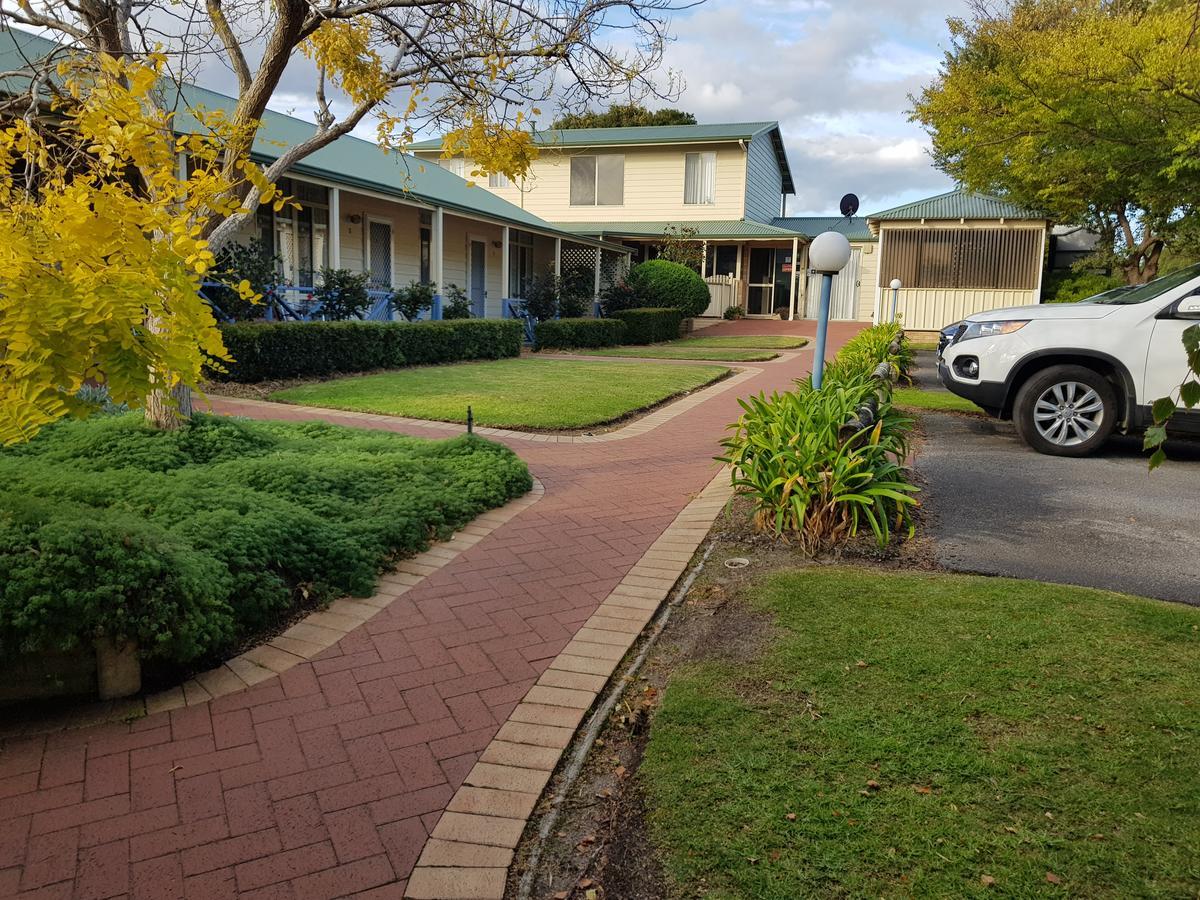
(725, 182)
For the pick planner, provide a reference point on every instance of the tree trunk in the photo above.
(169, 410)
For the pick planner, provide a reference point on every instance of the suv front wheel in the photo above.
(1065, 411)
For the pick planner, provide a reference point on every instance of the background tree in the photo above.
(474, 69)
(627, 115)
(681, 244)
(1087, 109)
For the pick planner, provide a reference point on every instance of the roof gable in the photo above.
(957, 204)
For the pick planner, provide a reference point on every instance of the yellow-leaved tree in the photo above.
(105, 236)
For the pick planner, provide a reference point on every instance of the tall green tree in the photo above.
(627, 115)
(1087, 109)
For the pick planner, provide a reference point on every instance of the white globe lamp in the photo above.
(827, 254)
(895, 286)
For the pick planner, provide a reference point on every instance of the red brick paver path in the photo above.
(326, 781)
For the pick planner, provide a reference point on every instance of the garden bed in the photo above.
(528, 393)
(196, 542)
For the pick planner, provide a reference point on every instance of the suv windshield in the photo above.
(1143, 292)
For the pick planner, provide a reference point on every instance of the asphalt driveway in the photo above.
(995, 507)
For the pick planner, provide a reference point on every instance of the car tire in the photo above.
(1065, 411)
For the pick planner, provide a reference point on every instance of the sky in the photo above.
(836, 74)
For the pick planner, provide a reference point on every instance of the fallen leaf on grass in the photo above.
(873, 784)
(1052, 878)
(791, 817)
(561, 895)
(922, 789)
(862, 664)
(987, 880)
(619, 771)
(584, 883)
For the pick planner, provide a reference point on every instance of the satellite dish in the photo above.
(849, 205)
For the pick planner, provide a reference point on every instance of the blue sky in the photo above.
(836, 75)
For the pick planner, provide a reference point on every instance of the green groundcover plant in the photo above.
(190, 541)
(816, 466)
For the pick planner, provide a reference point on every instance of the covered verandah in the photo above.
(756, 267)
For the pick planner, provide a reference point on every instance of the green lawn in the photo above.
(676, 350)
(918, 735)
(942, 401)
(757, 341)
(520, 393)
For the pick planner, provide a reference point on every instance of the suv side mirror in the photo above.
(1188, 307)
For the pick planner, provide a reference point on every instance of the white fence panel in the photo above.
(724, 291)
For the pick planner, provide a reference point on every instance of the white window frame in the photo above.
(596, 179)
(498, 180)
(455, 165)
(704, 158)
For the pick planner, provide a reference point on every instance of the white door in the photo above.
(843, 298)
(478, 279)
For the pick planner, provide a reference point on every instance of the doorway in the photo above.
(770, 284)
(478, 278)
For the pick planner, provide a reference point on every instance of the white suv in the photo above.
(1067, 374)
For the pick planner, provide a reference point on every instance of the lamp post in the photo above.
(827, 255)
(895, 286)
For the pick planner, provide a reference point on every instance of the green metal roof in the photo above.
(957, 204)
(348, 161)
(707, 230)
(810, 226)
(656, 134)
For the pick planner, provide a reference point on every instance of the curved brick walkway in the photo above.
(326, 780)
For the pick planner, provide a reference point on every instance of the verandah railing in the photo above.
(299, 304)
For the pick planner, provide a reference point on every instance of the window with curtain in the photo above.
(426, 245)
(456, 165)
(498, 180)
(598, 180)
(700, 178)
(520, 264)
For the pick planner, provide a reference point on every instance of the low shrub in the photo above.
(413, 300)
(863, 353)
(734, 312)
(569, 334)
(659, 282)
(342, 294)
(235, 263)
(273, 350)
(813, 471)
(618, 296)
(191, 541)
(456, 304)
(1071, 286)
(649, 325)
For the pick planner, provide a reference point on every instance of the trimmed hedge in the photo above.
(264, 351)
(663, 283)
(196, 540)
(650, 325)
(568, 334)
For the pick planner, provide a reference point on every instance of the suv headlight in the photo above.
(991, 329)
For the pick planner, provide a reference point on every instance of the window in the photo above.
(722, 259)
(298, 236)
(520, 264)
(1005, 259)
(598, 180)
(498, 180)
(456, 166)
(699, 178)
(426, 244)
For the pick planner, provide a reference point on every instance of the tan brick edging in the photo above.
(471, 848)
(668, 411)
(315, 633)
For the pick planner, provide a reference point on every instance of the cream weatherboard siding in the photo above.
(868, 277)
(654, 179)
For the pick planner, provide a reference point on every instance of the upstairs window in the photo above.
(498, 180)
(700, 178)
(598, 180)
(456, 165)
